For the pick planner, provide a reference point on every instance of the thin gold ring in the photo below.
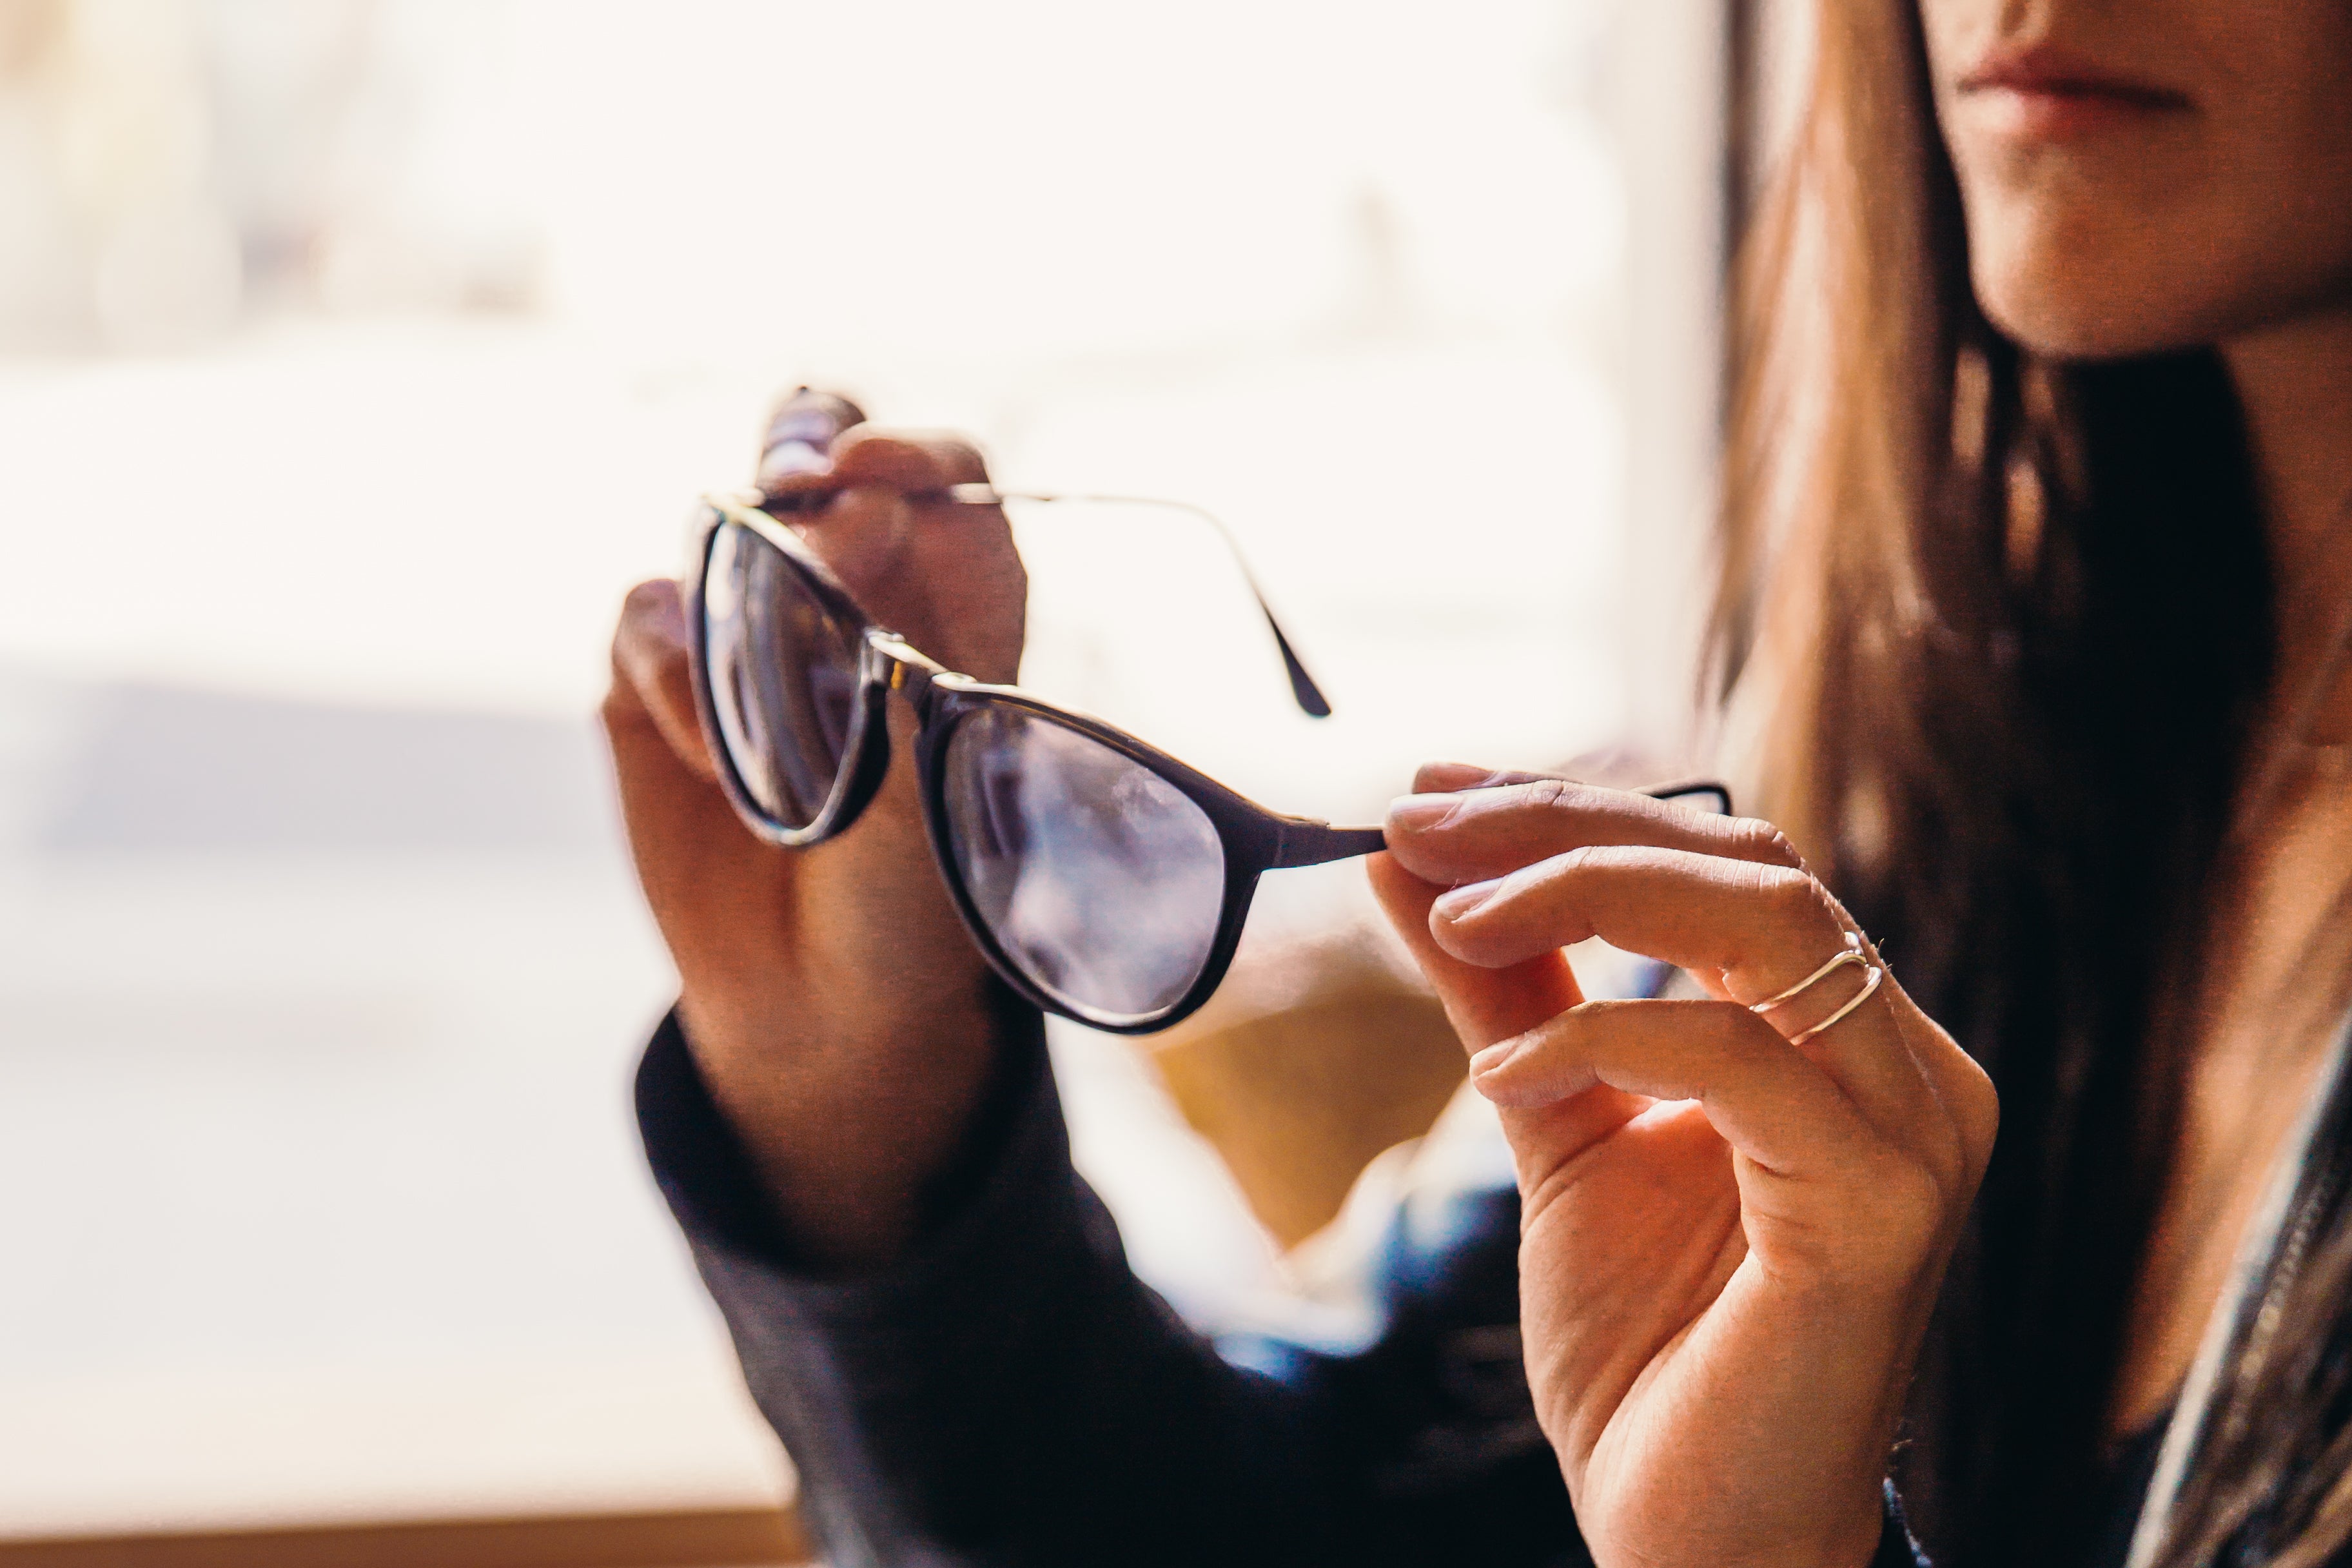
(1851, 954)
(1872, 975)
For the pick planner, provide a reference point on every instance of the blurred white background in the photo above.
(356, 354)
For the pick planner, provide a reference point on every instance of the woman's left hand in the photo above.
(1730, 1243)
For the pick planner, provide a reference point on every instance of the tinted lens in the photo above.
(784, 675)
(1101, 880)
(1709, 798)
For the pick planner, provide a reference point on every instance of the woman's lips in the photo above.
(2041, 93)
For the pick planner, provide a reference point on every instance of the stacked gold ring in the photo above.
(1852, 955)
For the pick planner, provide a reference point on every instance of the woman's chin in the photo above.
(2060, 323)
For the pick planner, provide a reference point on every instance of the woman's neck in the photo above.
(2295, 381)
(2292, 862)
(2269, 1012)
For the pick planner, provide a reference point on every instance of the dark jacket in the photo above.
(1010, 1394)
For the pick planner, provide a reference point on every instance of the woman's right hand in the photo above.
(1733, 1225)
(832, 999)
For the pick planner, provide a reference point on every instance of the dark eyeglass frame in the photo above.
(1255, 840)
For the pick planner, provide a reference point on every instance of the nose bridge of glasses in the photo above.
(890, 657)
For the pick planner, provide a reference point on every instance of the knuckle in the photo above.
(1578, 862)
(1798, 905)
(1563, 795)
(867, 438)
(906, 458)
(1756, 839)
(963, 459)
(879, 456)
(1908, 1205)
(652, 622)
(1977, 1111)
(1794, 890)
(1547, 794)
(648, 600)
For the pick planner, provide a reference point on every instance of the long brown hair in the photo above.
(1997, 629)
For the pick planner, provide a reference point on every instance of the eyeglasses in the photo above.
(1104, 879)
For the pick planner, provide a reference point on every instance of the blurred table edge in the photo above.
(697, 1538)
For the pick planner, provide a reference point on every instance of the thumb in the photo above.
(1484, 1004)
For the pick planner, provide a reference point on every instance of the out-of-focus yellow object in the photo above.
(1313, 1059)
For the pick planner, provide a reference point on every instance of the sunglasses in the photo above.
(1105, 880)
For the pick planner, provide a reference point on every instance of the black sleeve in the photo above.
(1009, 1393)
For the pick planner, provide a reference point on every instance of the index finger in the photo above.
(652, 685)
(1476, 834)
(908, 462)
(1764, 929)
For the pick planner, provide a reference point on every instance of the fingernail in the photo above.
(1466, 900)
(801, 433)
(793, 458)
(1452, 775)
(1492, 1058)
(1419, 813)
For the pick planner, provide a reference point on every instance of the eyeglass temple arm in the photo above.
(801, 432)
(1309, 843)
(1305, 842)
(1309, 696)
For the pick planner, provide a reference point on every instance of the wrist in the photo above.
(847, 1122)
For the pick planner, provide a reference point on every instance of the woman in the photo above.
(2032, 610)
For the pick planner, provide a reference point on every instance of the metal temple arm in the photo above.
(1308, 695)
